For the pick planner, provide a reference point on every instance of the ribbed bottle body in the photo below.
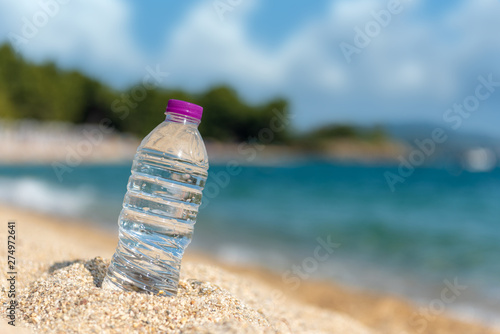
(159, 210)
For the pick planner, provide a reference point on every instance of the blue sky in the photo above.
(427, 57)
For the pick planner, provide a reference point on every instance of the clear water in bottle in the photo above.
(160, 207)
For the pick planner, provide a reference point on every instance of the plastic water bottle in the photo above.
(160, 207)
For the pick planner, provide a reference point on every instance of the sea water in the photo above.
(440, 224)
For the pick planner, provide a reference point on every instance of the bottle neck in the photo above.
(183, 119)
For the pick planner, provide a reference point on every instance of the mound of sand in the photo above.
(58, 293)
(60, 267)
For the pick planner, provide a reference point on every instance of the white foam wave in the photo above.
(44, 196)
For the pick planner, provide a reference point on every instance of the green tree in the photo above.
(44, 92)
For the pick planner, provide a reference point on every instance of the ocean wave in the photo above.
(43, 196)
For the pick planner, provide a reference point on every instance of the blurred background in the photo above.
(372, 123)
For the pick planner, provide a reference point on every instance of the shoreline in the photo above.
(381, 311)
(60, 269)
(65, 145)
(53, 240)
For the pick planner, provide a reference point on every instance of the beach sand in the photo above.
(60, 265)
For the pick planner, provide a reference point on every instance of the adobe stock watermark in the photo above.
(92, 138)
(250, 150)
(221, 7)
(31, 26)
(449, 294)
(292, 278)
(138, 93)
(454, 118)
(372, 29)
(74, 155)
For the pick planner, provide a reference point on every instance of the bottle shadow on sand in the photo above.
(97, 268)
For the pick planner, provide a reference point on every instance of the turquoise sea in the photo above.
(438, 225)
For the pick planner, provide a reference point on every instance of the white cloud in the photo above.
(417, 66)
(346, 12)
(410, 70)
(91, 35)
(204, 49)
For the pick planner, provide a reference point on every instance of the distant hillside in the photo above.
(408, 132)
(48, 94)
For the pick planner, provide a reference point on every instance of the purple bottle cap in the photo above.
(184, 108)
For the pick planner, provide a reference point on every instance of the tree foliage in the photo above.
(46, 93)
(334, 132)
